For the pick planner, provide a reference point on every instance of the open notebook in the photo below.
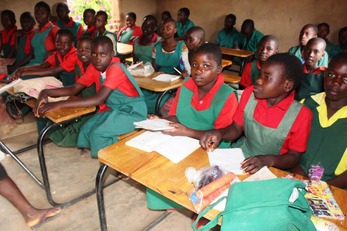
(175, 148)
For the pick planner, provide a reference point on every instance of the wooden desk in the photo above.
(158, 86)
(242, 54)
(161, 175)
(58, 117)
(124, 49)
(226, 63)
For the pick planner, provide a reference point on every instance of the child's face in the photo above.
(271, 82)
(265, 49)
(100, 21)
(343, 39)
(63, 43)
(204, 69)
(130, 22)
(63, 12)
(7, 22)
(88, 18)
(193, 41)
(306, 34)
(84, 51)
(323, 31)
(27, 23)
(247, 32)
(335, 81)
(164, 16)
(229, 23)
(168, 30)
(148, 27)
(102, 55)
(181, 17)
(41, 15)
(313, 52)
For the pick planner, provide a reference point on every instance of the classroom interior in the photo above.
(73, 173)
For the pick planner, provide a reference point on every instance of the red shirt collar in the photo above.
(72, 51)
(317, 71)
(46, 26)
(7, 34)
(154, 39)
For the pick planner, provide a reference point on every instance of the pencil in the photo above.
(178, 71)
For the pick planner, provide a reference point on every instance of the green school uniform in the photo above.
(252, 43)
(182, 29)
(102, 129)
(72, 26)
(255, 71)
(20, 51)
(229, 40)
(167, 61)
(198, 120)
(38, 44)
(67, 78)
(265, 140)
(311, 84)
(297, 52)
(327, 142)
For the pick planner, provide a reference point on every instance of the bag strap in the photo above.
(213, 222)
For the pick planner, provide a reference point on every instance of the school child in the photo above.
(119, 98)
(164, 16)
(128, 33)
(89, 20)
(166, 54)
(8, 36)
(251, 35)
(66, 22)
(100, 23)
(342, 46)
(229, 37)
(276, 127)
(144, 44)
(307, 32)
(61, 63)
(312, 81)
(327, 142)
(24, 49)
(203, 102)
(323, 32)
(183, 23)
(43, 42)
(267, 46)
(67, 136)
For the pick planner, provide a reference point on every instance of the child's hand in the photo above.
(47, 107)
(184, 74)
(16, 75)
(210, 140)
(42, 99)
(152, 117)
(254, 164)
(177, 130)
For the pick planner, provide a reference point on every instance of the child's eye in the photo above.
(331, 75)
(207, 66)
(103, 55)
(345, 79)
(93, 54)
(195, 65)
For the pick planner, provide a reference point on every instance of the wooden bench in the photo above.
(230, 78)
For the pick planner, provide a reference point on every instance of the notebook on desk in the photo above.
(166, 78)
(175, 148)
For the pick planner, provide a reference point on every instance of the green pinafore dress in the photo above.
(38, 44)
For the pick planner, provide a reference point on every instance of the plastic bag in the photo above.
(142, 70)
(203, 176)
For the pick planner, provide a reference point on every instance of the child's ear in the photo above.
(112, 53)
(219, 69)
(175, 30)
(288, 85)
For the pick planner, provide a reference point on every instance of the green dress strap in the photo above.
(254, 71)
(125, 36)
(38, 43)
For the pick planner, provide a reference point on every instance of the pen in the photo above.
(178, 71)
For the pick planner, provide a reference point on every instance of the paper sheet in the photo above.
(166, 77)
(153, 124)
(227, 158)
(10, 85)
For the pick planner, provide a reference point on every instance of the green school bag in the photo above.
(271, 205)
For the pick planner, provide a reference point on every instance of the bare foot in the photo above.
(41, 216)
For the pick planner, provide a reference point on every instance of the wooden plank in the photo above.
(236, 52)
(158, 86)
(229, 78)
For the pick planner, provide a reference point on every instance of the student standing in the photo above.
(276, 127)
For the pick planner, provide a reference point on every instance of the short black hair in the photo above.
(132, 15)
(293, 68)
(89, 10)
(248, 23)
(103, 13)
(212, 49)
(10, 14)
(44, 5)
(232, 16)
(323, 24)
(342, 30)
(185, 11)
(151, 18)
(85, 38)
(198, 29)
(339, 56)
(66, 32)
(27, 15)
(62, 4)
(271, 38)
(313, 26)
(316, 40)
(102, 40)
(166, 13)
(170, 20)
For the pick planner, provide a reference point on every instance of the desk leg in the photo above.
(100, 196)
(160, 98)
(26, 169)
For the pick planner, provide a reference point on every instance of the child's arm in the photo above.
(339, 181)
(22, 71)
(154, 64)
(285, 161)
(22, 62)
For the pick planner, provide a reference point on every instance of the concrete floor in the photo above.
(72, 174)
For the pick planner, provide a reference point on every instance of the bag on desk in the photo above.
(14, 104)
(277, 204)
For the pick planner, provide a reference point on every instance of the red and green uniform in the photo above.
(327, 143)
(8, 39)
(75, 27)
(111, 35)
(125, 34)
(124, 106)
(90, 31)
(24, 45)
(250, 73)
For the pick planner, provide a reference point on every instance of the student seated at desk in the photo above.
(128, 33)
(251, 35)
(267, 46)
(203, 102)
(24, 49)
(183, 23)
(100, 23)
(312, 81)
(8, 36)
(164, 16)
(89, 20)
(276, 127)
(120, 99)
(307, 32)
(327, 144)
(229, 37)
(61, 63)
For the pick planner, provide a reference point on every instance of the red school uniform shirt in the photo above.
(50, 39)
(246, 79)
(8, 36)
(137, 32)
(271, 117)
(225, 117)
(317, 71)
(67, 62)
